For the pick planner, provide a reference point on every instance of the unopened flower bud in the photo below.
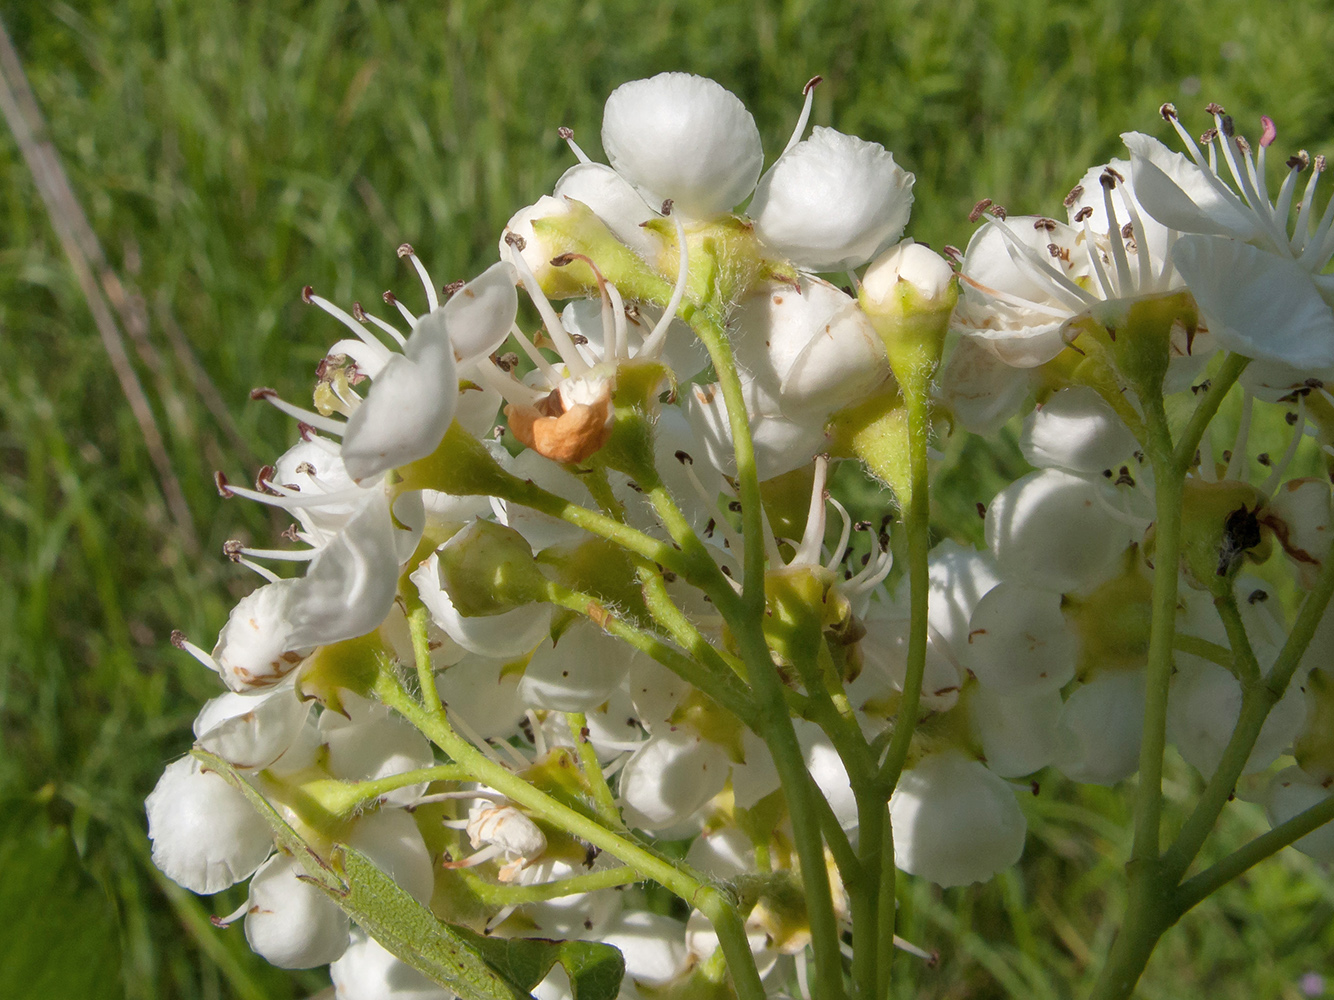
(488, 569)
(909, 292)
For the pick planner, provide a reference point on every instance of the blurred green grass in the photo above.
(229, 153)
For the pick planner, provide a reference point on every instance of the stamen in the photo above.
(809, 92)
(391, 299)
(608, 322)
(1108, 180)
(1317, 255)
(179, 640)
(574, 362)
(1059, 283)
(567, 133)
(534, 355)
(978, 209)
(310, 298)
(511, 389)
(654, 341)
(812, 538)
(473, 860)
(432, 300)
(1009, 299)
(282, 555)
(841, 549)
(1138, 234)
(539, 734)
(222, 923)
(310, 417)
(622, 341)
(294, 501)
(1094, 255)
(359, 313)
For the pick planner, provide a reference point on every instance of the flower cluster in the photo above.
(595, 591)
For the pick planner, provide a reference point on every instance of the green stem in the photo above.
(514, 895)
(775, 724)
(1219, 385)
(864, 894)
(1244, 664)
(917, 514)
(341, 798)
(1169, 480)
(1241, 860)
(603, 799)
(1203, 648)
(418, 618)
(887, 910)
(1258, 699)
(722, 686)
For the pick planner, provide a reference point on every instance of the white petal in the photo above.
(374, 743)
(757, 775)
(1019, 642)
(959, 579)
(884, 651)
(832, 202)
(1181, 195)
(485, 698)
(368, 972)
(409, 406)
(205, 835)
(256, 647)
(576, 673)
(781, 444)
(981, 391)
(1101, 728)
(1018, 733)
(1076, 430)
(671, 777)
(478, 317)
(250, 731)
(685, 138)
(653, 945)
(1293, 791)
(954, 821)
(291, 923)
(1050, 530)
(1203, 708)
(827, 771)
(1256, 303)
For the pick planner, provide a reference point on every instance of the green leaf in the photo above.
(595, 970)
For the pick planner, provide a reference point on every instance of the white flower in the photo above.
(832, 201)
(291, 923)
(1257, 276)
(1293, 791)
(507, 635)
(1019, 641)
(670, 778)
(1101, 728)
(684, 138)
(366, 971)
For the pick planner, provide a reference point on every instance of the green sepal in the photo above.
(1141, 333)
(350, 665)
(460, 465)
(787, 501)
(581, 232)
(726, 260)
(1113, 621)
(876, 432)
(912, 327)
(1220, 530)
(601, 568)
(488, 568)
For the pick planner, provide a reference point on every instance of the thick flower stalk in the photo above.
(577, 592)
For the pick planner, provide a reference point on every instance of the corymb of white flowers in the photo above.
(577, 593)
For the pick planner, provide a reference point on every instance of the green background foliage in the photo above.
(229, 153)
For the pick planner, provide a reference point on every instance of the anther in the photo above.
(1257, 597)
(1320, 163)
(1268, 131)
(1073, 196)
(1083, 213)
(565, 132)
(1208, 136)
(734, 506)
(981, 510)
(1120, 177)
(1214, 109)
(1290, 418)
(389, 298)
(516, 241)
(998, 211)
(811, 84)
(1108, 178)
(684, 458)
(507, 361)
(405, 250)
(452, 288)
(667, 207)
(232, 549)
(263, 392)
(220, 481)
(1127, 231)
(1243, 145)
(178, 638)
(952, 252)
(358, 313)
(262, 479)
(1048, 224)
(978, 209)
(1263, 459)
(1300, 161)
(1168, 111)
(306, 292)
